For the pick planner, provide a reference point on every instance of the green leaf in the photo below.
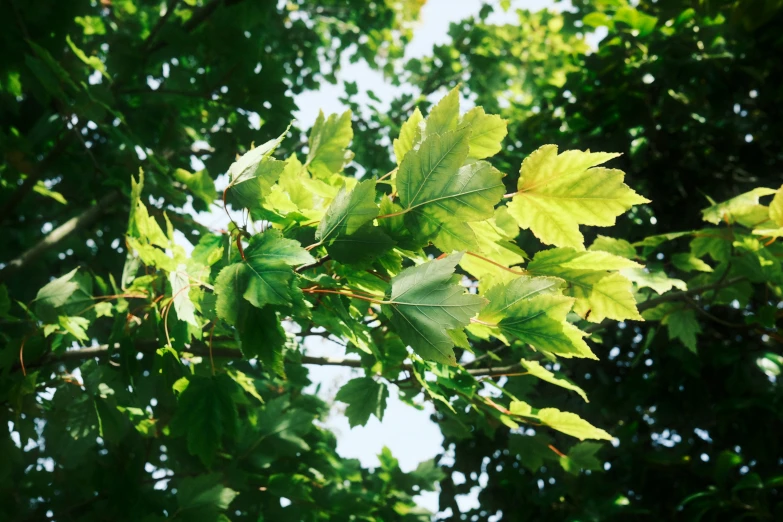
(534, 311)
(496, 248)
(348, 211)
(364, 396)
(280, 421)
(657, 280)
(329, 140)
(200, 184)
(444, 116)
(252, 175)
(641, 22)
(40, 188)
(434, 178)
(205, 493)
(209, 249)
(364, 245)
(265, 277)
(571, 424)
(618, 247)
(776, 207)
(245, 382)
(427, 475)
(734, 208)
(714, 242)
(487, 132)
(582, 457)
(92, 61)
(535, 369)
(180, 291)
(683, 325)
(56, 293)
(141, 225)
(599, 293)
(689, 263)
(425, 302)
(504, 297)
(558, 192)
(262, 335)
(206, 414)
(75, 326)
(410, 135)
(533, 451)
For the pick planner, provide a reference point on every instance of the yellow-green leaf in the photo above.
(329, 140)
(535, 369)
(558, 192)
(571, 424)
(410, 135)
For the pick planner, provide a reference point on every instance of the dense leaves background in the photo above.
(690, 93)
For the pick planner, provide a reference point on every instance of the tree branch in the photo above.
(317, 263)
(666, 298)
(234, 353)
(198, 18)
(57, 235)
(160, 23)
(199, 349)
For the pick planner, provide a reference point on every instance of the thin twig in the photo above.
(316, 264)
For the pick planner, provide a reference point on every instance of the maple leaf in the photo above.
(252, 175)
(441, 193)
(533, 310)
(599, 292)
(348, 211)
(487, 132)
(265, 276)
(426, 302)
(558, 192)
(329, 140)
(365, 396)
(571, 424)
(206, 414)
(410, 135)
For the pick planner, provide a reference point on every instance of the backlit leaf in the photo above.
(535, 369)
(365, 396)
(558, 192)
(571, 424)
(410, 135)
(349, 211)
(329, 140)
(425, 302)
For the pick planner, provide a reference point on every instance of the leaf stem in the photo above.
(557, 451)
(509, 269)
(338, 292)
(388, 174)
(393, 214)
(479, 321)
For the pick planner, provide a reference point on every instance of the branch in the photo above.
(229, 353)
(160, 23)
(666, 298)
(317, 263)
(57, 235)
(198, 18)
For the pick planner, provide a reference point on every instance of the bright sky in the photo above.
(408, 432)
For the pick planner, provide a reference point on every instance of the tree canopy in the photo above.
(572, 254)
